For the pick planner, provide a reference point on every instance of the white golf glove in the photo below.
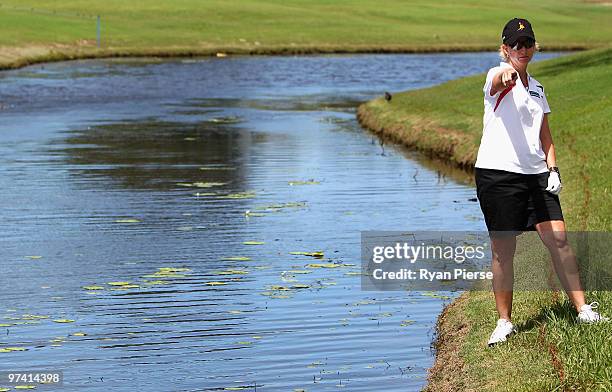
(554, 183)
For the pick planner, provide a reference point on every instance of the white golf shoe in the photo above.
(588, 315)
(502, 331)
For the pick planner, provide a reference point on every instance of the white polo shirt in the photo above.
(511, 127)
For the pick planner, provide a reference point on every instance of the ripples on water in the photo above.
(132, 191)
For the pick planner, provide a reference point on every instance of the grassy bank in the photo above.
(47, 30)
(551, 352)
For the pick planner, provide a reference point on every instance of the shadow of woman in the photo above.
(560, 310)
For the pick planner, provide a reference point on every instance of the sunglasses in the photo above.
(526, 43)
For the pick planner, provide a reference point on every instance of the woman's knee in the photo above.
(555, 240)
(502, 249)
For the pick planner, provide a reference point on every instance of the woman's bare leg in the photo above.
(502, 249)
(554, 237)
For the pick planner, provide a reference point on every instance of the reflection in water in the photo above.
(287, 103)
(158, 155)
(162, 223)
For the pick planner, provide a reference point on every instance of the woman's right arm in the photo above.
(505, 78)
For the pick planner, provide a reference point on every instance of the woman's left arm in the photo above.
(547, 143)
(554, 179)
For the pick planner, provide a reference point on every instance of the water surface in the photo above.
(150, 208)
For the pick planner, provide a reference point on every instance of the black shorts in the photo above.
(515, 202)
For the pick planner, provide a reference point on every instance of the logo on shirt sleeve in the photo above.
(534, 94)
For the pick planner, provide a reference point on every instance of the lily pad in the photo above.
(217, 168)
(225, 120)
(435, 295)
(161, 274)
(93, 287)
(198, 194)
(126, 287)
(33, 317)
(11, 349)
(208, 184)
(323, 265)
(248, 213)
(155, 282)
(239, 195)
(278, 207)
(278, 288)
(173, 269)
(280, 296)
(236, 258)
(315, 364)
(118, 283)
(231, 272)
(309, 182)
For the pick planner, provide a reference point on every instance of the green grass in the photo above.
(552, 353)
(68, 27)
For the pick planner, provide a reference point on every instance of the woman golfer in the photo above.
(517, 179)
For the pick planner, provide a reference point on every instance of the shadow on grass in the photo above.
(557, 311)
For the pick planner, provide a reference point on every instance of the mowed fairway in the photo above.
(203, 27)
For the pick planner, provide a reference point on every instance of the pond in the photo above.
(194, 224)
